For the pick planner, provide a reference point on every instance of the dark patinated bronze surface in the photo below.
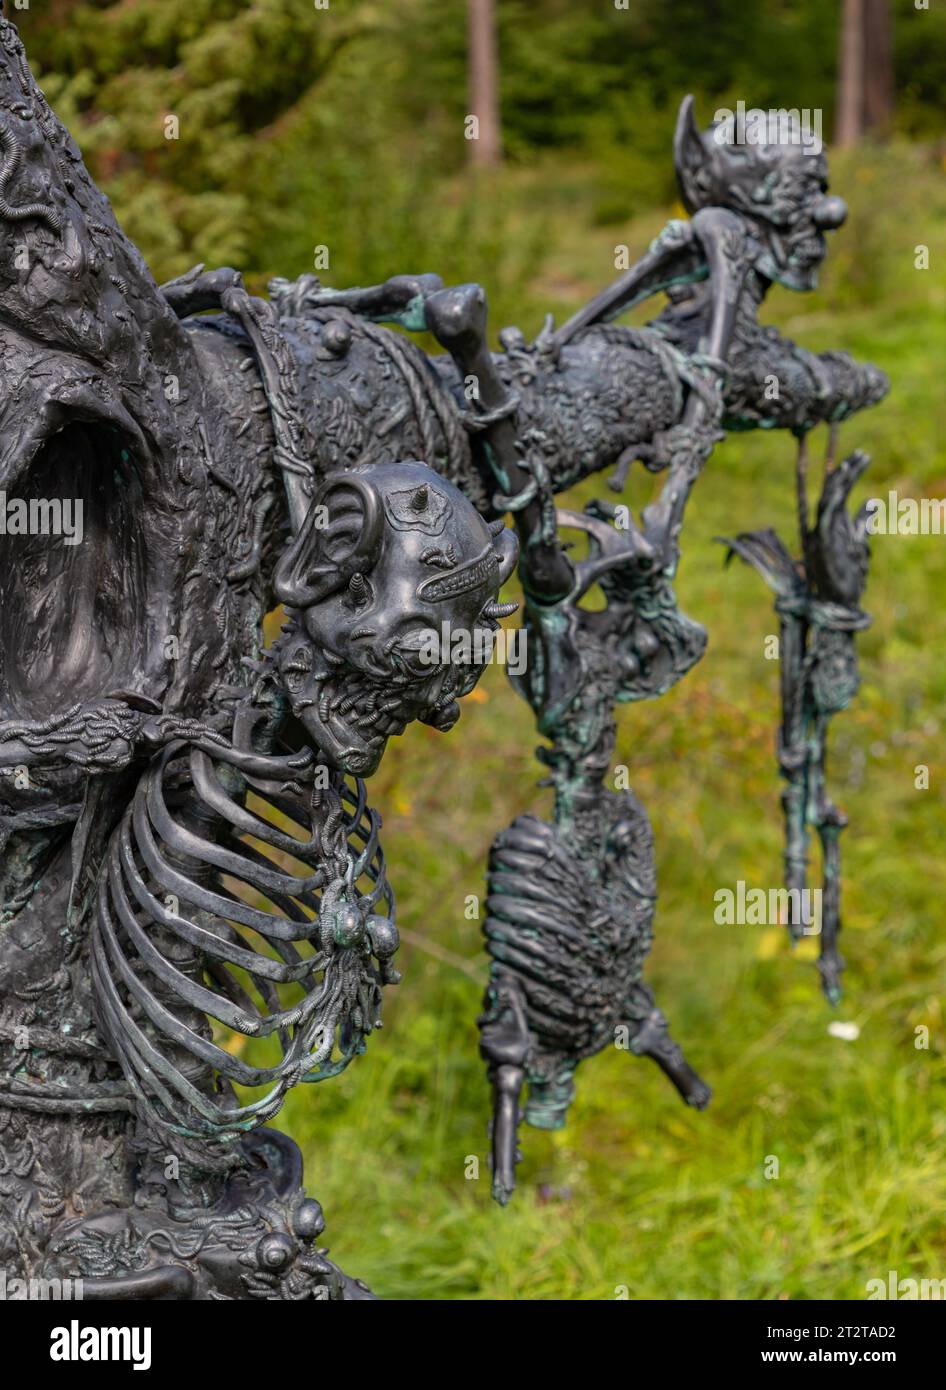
(189, 857)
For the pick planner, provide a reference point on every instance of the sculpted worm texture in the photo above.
(196, 910)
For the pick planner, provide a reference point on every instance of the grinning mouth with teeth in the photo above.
(810, 249)
(350, 714)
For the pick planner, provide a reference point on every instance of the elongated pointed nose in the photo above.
(830, 213)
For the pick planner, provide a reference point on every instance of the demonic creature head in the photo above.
(392, 582)
(775, 174)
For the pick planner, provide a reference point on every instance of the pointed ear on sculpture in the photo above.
(689, 157)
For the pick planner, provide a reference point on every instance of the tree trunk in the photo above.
(486, 149)
(878, 66)
(849, 125)
(865, 70)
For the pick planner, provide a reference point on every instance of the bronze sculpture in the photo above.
(189, 854)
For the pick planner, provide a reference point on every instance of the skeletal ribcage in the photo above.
(573, 930)
(239, 901)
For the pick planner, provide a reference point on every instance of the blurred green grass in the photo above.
(638, 1191)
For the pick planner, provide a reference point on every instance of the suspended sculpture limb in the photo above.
(506, 1046)
(818, 603)
(828, 821)
(650, 1037)
(794, 752)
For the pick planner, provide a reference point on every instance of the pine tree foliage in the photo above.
(258, 132)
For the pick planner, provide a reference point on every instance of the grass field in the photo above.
(639, 1192)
